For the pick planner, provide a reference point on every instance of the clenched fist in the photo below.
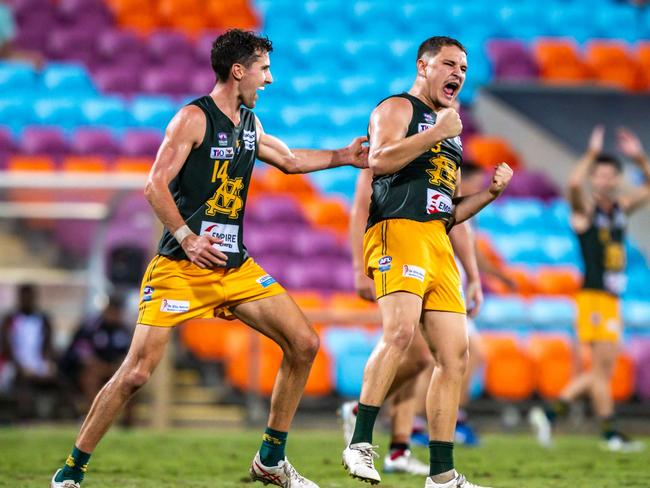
(500, 179)
(448, 123)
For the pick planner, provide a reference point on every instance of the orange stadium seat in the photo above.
(350, 301)
(327, 212)
(308, 300)
(132, 165)
(523, 279)
(557, 281)
(560, 62)
(30, 163)
(612, 65)
(206, 338)
(509, 373)
(247, 349)
(488, 151)
(552, 357)
(232, 13)
(278, 182)
(643, 57)
(84, 164)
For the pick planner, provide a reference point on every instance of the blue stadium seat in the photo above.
(348, 374)
(616, 21)
(635, 258)
(67, 79)
(503, 313)
(638, 279)
(62, 112)
(522, 21)
(558, 215)
(109, 112)
(518, 212)
(153, 112)
(636, 314)
(16, 79)
(560, 250)
(520, 248)
(339, 181)
(552, 313)
(16, 113)
(349, 348)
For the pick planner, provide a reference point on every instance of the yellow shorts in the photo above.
(599, 317)
(174, 291)
(417, 257)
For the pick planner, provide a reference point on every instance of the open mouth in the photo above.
(451, 88)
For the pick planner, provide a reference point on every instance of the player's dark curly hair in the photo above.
(609, 159)
(236, 46)
(434, 44)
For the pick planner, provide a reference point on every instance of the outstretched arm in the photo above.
(390, 149)
(466, 207)
(577, 199)
(358, 219)
(184, 132)
(273, 151)
(631, 146)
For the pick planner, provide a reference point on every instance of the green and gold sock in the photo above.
(272, 450)
(75, 466)
(366, 417)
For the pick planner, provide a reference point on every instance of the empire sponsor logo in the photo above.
(437, 202)
(227, 232)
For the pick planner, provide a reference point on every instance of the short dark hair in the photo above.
(434, 44)
(470, 168)
(236, 46)
(609, 159)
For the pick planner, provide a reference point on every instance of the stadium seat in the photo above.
(298, 185)
(106, 112)
(87, 141)
(559, 61)
(307, 243)
(132, 165)
(276, 210)
(16, 78)
(84, 164)
(43, 140)
(206, 339)
(636, 314)
(118, 79)
(613, 65)
(552, 313)
(509, 372)
(511, 59)
(557, 280)
(327, 212)
(503, 312)
(62, 79)
(30, 163)
(62, 112)
(141, 142)
(152, 111)
(552, 357)
(488, 151)
(117, 45)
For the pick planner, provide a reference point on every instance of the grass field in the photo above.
(216, 459)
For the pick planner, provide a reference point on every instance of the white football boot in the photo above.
(348, 419)
(541, 426)
(405, 463)
(621, 443)
(64, 483)
(458, 482)
(358, 460)
(284, 474)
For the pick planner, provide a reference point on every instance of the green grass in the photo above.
(219, 459)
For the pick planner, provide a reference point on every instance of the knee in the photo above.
(423, 361)
(304, 348)
(134, 379)
(399, 336)
(453, 364)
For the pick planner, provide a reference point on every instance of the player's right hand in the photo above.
(500, 179)
(200, 251)
(448, 123)
(364, 286)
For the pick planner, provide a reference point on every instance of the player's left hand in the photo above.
(357, 152)
(629, 144)
(500, 179)
(474, 297)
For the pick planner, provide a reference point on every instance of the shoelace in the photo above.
(70, 484)
(293, 474)
(367, 455)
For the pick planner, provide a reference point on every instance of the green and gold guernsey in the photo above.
(211, 188)
(422, 190)
(603, 251)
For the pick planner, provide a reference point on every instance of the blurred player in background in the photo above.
(599, 218)
(197, 188)
(415, 156)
